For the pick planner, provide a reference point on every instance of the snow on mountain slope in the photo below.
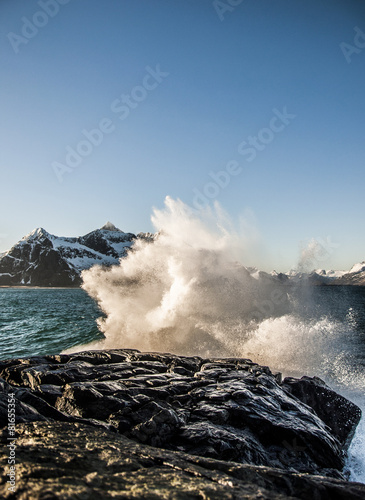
(356, 276)
(43, 259)
(358, 268)
(330, 274)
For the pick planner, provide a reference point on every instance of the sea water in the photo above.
(35, 321)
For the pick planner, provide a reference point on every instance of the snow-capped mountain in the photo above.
(355, 276)
(43, 259)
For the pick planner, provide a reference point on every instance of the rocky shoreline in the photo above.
(125, 424)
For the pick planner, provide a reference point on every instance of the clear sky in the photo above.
(269, 91)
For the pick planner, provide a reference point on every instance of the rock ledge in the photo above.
(126, 424)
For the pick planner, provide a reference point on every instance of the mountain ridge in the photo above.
(43, 259)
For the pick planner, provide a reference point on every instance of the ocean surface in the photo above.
(45, 321)
(324, 336)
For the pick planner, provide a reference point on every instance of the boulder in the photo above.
(340, 414)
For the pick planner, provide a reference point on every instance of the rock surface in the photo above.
(231, 410)
(315, 393)
(67, 461)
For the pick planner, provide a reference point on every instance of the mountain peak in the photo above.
(110, 227)
(39, 232)
(358, 268)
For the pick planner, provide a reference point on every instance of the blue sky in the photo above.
(219, 74)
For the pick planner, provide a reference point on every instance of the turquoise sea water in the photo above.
(45, 321)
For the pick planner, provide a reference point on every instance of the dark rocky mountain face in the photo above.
(42, 259)
(357, 278)
(38, 264)
(225, 412)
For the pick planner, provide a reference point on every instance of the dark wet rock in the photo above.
(157, 426)
(230, 409)
(65, 461)
(340, 414)
(225, 442)
(24, 411)
(49, 393)
(39, 404)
